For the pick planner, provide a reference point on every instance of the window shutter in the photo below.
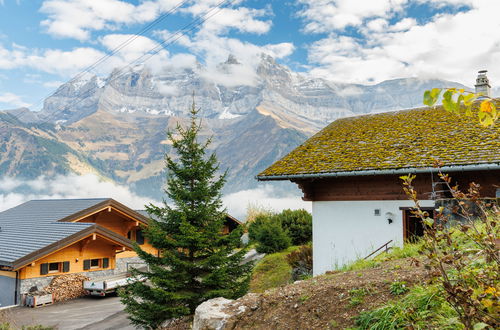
(105, 263)
(86, 264)
(65, 266)
(44, 269)
(139, 238)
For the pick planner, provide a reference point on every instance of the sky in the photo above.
(44, 43)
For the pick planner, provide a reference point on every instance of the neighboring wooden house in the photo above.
(41, 239)
(350, 171)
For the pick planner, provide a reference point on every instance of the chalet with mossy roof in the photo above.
(351, 172)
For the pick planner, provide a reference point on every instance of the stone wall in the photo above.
(124, 264)
(42, 282)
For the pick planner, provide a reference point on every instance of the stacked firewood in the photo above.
(66, 287)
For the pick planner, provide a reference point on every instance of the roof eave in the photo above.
(106, 203)
(233, 219)
(67, 241)
(5, 265)
(452, 168)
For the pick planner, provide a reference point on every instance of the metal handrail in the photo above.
(386, 249)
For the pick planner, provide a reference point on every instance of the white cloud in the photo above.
(55, 61)
(90, 186)
(138, 48)
(242, 19)
(77, 18)
(377, 25)
(212, 44)
(267, 197)
(350, 91)
(64, 63)
(71, 186)
(404, 24)
(328, 15)
(13, 100)
(67, 63)
(449, 46)
(167, 90)
(138, 45)
(215, 49)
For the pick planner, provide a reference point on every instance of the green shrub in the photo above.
(271, 237)
(255, 225)
(298, 225)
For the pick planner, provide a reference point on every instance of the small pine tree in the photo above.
(195, 261)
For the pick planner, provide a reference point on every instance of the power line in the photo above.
(155, 50)
(120, 46)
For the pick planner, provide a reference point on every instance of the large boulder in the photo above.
(210, 315)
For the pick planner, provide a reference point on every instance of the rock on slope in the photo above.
(324, 302)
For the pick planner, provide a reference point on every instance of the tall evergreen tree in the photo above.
(196, 261)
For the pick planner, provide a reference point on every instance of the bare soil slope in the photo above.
(331, 301)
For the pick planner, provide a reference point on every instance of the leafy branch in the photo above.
(462, 102)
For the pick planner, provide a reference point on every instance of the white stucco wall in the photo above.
(344, 231)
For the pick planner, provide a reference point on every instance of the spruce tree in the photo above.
(196, 262)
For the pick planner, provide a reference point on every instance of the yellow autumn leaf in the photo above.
(461, 90)
(486, 106)
(490, 290)
(487, 303)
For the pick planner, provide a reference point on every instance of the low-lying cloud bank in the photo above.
(266, 197)
(15, 191)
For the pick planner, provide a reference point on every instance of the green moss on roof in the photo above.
(392, 140)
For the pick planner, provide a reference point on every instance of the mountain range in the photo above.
(116, 126)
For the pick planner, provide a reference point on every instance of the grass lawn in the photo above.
(272, 271)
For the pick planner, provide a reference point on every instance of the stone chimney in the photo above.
(483, 83)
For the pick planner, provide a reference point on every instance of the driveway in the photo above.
(87, 313)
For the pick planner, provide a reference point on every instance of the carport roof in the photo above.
(35, 225)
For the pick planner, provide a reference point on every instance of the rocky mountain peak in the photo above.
(231, 59)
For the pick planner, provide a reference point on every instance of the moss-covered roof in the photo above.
(392, 140)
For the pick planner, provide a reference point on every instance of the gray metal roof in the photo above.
(33, 225)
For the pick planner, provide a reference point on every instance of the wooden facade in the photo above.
(73, 258)
(123, 224)
(390, 187)
(115, 228)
